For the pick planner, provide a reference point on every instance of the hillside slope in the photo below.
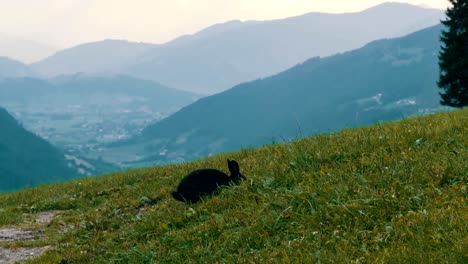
(392, 192)
(385, 80)
(27, 160)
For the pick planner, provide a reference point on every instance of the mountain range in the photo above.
(227, 54)
(26, 159)
(385, 80)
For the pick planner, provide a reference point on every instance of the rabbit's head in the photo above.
(235, 172)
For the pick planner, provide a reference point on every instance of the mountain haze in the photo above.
(227, 54)
(24, 50)
(385, 80)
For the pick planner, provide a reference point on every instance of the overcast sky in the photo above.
(65, 23)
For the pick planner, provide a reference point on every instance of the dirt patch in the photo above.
(14, 255)
(46, 217)
(13, 234)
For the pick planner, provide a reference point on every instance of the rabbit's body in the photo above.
(204, 182)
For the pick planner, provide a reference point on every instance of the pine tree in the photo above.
(453, 57)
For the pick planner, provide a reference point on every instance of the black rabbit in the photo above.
(204, 182)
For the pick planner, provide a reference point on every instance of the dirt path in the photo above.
(13, 234)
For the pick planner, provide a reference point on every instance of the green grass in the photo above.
(389, 193)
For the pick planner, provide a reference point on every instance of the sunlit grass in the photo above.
(391, 192)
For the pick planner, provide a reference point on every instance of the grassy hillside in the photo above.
(393, 193)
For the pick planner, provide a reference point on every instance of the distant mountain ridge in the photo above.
(83, 89)
(26, 159)
(227, 54)
(103, 57)
(13, 69)
(385, 80)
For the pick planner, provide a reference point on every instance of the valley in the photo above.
(84, 130)
(82, 114)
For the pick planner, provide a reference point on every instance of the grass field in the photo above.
(388, 193)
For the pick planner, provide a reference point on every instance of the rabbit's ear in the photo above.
(233, 166)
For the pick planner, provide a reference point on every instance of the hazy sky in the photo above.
(64, 23)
